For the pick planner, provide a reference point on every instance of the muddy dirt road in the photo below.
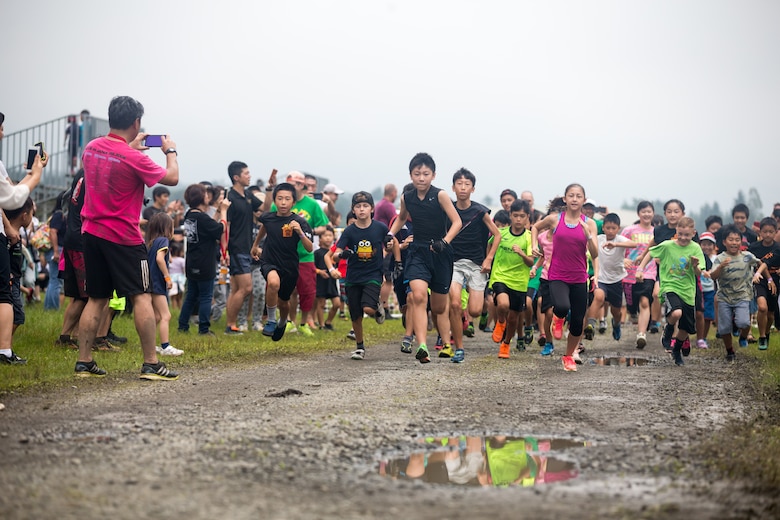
(215, 445)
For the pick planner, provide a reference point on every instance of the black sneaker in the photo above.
(157, 372)
(279, 330)
(730, 357)
(677, 355)
(666, 339)
(206, 333)
(13, 359)
(114, 338)
(88, 369)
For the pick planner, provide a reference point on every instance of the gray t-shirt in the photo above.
(735, 283)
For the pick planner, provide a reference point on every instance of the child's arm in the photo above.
(591, 233)
(493, 247)
(644, 255)
(163, 266)
(398, 223)
(306, 241)
(332, 271)
(640, 269)
(543, 225)
(449, 209)
(256, 251)
(759, 273)
(716, 272)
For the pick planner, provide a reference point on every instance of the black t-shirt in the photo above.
(748, 237)
(471, 241)
(770, 255)
(16, 260)
(240, 215)
(202, 233)
(150, 211)
(282, 251)
(663, 233)
(324, 285)
(73, 240)
(430, 221)
(365, 265)
(57, 223)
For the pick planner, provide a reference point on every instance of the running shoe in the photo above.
(548, 349)
(233, 331)
(702, 343)
(616, 330)
(305, 329)
(13, 359)
(763, 343)
(244, 327)
(269, 328)
(503, 351)
(641, 340)
(114, 338)
(446, 351)
(422, 354)
(666, 339)
(528, 338)
(655, 327)
(88, 369)
(569, 365)
(498, 331)
(406, 344)
(731, 357)
(576, 357)
(257, 326)
(520, 344)
(290, 327)
(205, 333)
(483, 321)
(358, 354)
(589, 332)
(379, 315)
(351, 334)
(157, 372)
(168, 351)
(279, 330)
(743, 342)
(677, 355)
(469, 332)
(439, 343)
(459, 356)
(104, 345)
(686, 347)
(67, 343)
(602, 326)
(328, 327)
(557, 327)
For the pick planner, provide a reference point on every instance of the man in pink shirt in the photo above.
(115, 173)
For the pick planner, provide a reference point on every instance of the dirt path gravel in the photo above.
(213, 445)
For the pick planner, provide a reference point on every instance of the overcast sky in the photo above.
(654, 99)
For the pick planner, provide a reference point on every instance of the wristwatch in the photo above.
(171, 150)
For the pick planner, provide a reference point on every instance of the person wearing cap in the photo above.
(506, 198)
(331, 194)
(706, 317)
(361, 244)
(589, 209)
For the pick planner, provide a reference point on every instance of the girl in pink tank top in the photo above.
(573, 236)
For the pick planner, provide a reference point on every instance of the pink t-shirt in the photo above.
(569, 259)
(546, 243)
(115, 176)
(636, 233)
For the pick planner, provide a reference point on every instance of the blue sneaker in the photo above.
(547, 350)
(743, 342)
(616, 330)
(269, 328)
(459, 356)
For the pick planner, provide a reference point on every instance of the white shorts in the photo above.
(467, 274)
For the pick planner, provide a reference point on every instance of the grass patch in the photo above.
(51, 366)
(750, 452)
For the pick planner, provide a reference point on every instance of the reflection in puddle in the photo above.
(498, 461)
(626, 361)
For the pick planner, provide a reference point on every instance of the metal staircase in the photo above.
(58, 173)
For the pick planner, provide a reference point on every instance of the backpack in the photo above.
(40, 238)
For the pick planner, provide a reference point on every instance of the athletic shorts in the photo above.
(5, 272)
(467, 274)
(708, 298)
(387, 269)
(362, 296)
(307, 285)
(516, 298)
(635, 291)
(687, 322)
(287, 279)
(544, 294)
(433, 268)
(114, 267)
(613, 293)
(762, 291)
(75, 275)
(698, 302)
(240, 264)
(730, 314)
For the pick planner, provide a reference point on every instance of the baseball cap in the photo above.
(362, 196)
(591, 202)
(708, 236)
(508, 192)
(332, 188)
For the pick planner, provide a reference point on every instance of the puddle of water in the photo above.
(625, 361)
(496, 461)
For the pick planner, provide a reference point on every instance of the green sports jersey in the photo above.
(676, 271)
(309, 209)
(508, 266)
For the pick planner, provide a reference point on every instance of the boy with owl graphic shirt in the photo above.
(361, 245)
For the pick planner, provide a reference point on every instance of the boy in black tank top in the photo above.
(429, 264)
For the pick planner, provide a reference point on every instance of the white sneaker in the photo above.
(170, 351)
(257, 325)
(577, 358)
(243, 328)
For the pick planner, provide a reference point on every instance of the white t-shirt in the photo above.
(10, 196)
(611, 267)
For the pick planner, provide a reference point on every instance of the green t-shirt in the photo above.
(508, 266)
(309, 209)
(675, 270)
(509, 462)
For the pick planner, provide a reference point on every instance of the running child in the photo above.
(283, 230)
(708, 289)
(768, 251)
(178, 276)
(361, 245)
(159, 231)
(327, 286)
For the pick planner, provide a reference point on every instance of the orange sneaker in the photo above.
(503, 351)
(498, 331)
(557, 327)
(569, 364)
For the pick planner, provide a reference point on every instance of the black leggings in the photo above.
(570, 297)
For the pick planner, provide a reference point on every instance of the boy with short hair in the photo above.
(612, 271)
(429, 265)
(17, 219)
(361, 246)
(510, 274)
(283, 230)
(327, 286)
(679, 269)
(733, 269)
(708, 289)
(472, 259)
(768, 251)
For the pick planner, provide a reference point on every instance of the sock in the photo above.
(360, 346)
(6, 352)
(272, 314)
(592, 321)
(165, 345)
(64, 337)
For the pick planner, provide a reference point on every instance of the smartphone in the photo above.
(225, 193)
(31, 153)
(318, 196)
(153, 141)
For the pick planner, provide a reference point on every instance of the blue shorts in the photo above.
(709, 305)
(240, 264)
